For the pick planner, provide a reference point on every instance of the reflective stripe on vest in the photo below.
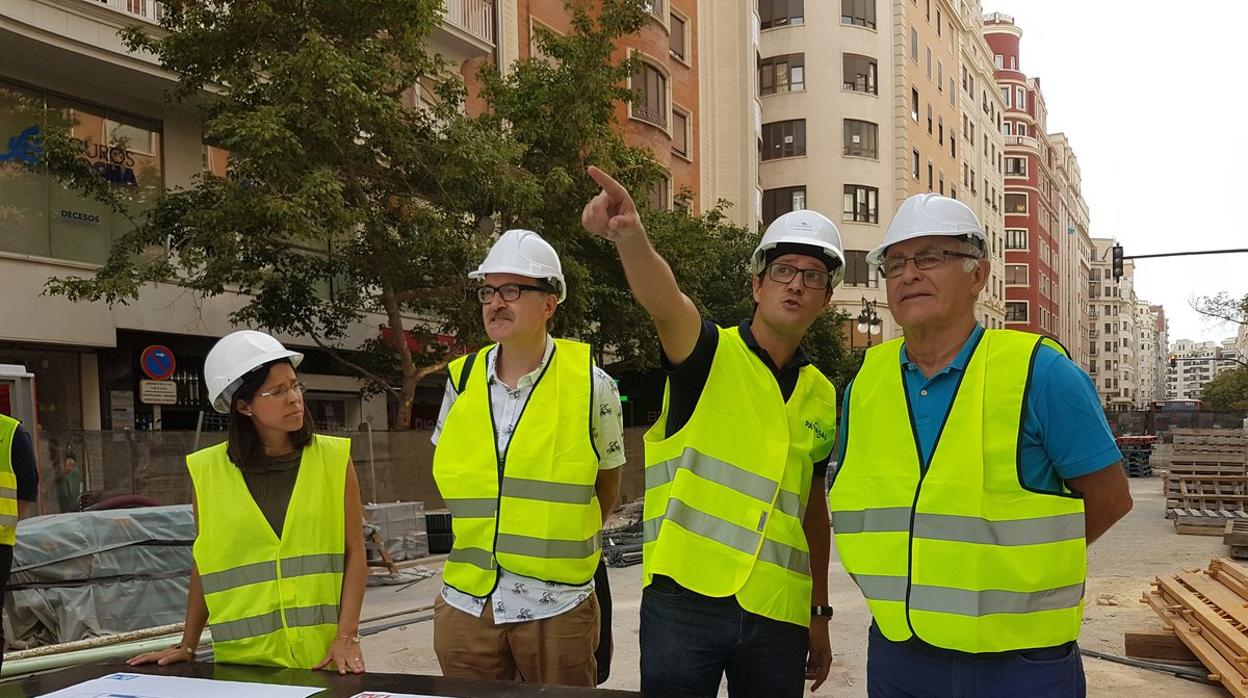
(8, 482)
(959, 554)
(544, 521)
(726, 495)
(272, 601)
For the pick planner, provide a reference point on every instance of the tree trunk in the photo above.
(407, 393)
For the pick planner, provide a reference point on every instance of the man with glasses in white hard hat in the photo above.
(735, 562)
(976, 466)
(529, 445)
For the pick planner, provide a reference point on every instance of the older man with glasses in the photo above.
(528, 453)
(976, 466)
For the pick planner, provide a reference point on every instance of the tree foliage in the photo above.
(1227, 391)
(359, 187)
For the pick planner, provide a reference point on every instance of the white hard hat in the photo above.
(924, 215)
(233, 357)
(802, 228)
(524, 252)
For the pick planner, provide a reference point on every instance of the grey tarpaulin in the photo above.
(87, 574)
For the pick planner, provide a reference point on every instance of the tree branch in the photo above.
(333, 354)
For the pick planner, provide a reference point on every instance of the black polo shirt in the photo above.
(685, 382)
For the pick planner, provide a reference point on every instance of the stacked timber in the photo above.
(1206, 484)
(1207, 610)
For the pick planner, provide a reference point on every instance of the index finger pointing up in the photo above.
(615, 192)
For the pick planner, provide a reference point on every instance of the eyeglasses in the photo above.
(928, 259)
(509, 292)
(811, 278)
(296, 388)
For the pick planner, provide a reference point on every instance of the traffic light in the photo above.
(1174, 361)
(1117, 252)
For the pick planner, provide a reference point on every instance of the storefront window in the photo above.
(40, 217)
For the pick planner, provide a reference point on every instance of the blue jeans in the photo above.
(915, 670)
(690, 641)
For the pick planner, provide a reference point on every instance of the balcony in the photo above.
(146, 10)
(467, 30)
(1022, 142)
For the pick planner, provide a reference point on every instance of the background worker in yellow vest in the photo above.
(279, 568)
(529, 447)
(19, 487)
(735, 562)
(976, 466)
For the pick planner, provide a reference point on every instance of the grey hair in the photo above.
(971, 246)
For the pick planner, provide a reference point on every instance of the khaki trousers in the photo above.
(558, 650)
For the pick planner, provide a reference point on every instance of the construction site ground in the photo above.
(1121, 567)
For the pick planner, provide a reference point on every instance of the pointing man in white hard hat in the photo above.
(976, 466)
(528, 453)
(735, 564)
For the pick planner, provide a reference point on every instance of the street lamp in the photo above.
(869, 321)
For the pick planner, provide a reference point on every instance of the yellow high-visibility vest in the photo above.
(726, 494)
(8, 481)
(532, 510)
(963, 555)
(272, 601)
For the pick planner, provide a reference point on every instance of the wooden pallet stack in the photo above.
(1206, 483)
(1137, 452)
(1208, 611)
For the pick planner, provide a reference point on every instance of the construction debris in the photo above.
(1137, 452)
(1207, 610)
(1206, 483)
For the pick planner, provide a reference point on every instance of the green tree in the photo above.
(343, 200)
(1227, 391)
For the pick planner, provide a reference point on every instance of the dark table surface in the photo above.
(336, 686)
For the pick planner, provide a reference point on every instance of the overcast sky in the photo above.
(1147, 94)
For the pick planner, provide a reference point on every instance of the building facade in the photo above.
(1195, 364)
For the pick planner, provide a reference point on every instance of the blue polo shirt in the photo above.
(1065, 434)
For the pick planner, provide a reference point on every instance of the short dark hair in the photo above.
(243, 445)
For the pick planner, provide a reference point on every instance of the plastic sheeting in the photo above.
(88, 574)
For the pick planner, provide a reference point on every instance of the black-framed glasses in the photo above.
(811, 278)
(282, 391)
(509, 292)
(892, 267)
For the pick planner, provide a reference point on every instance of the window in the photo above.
(941, 188)
(680, 133)
(862, 204)
(1020, 129)
(857, 271)
(777, 202)
(860, 13)
(929, 62)
(1016, 239)
(940, 130)
(929, 118)
(784, 139)
(953, 144)
(861, 139)
(999, 60)
(1006, 129)
(1016, 311)
(914, 104)
(1015, 203)
(914, 44)
(930, 179)
(939, 22)
(915, 167)
(860, 73)
(779, 13)
(650, 105)
(678, 38)
(655, 8)
(1016, 275)
(658, 194)
(1005, 96)
(785, 73)
(940, 76)
(1020, 99)
(1016, 167)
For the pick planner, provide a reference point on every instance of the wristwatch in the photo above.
(825, 611)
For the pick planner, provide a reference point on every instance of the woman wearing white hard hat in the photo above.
(279, 566)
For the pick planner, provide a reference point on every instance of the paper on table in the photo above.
(150, 686)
